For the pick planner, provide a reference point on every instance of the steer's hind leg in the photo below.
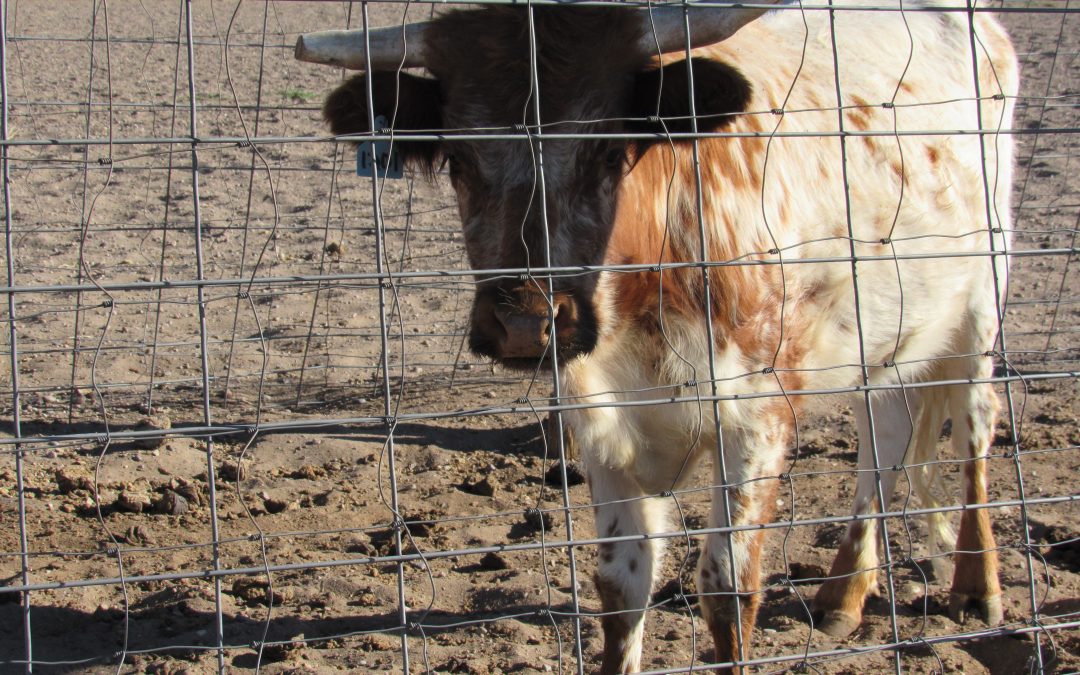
(626, 569)
(838, 605)
(975, 584)
(730, 565)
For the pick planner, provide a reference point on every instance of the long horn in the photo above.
(345, 48)
(708, 25)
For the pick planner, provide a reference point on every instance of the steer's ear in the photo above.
(409, 103)
(720, 93)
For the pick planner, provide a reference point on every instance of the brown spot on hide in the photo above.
(612, 528)
(860, 115)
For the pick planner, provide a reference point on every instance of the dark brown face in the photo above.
(514, 219)
(518, 220)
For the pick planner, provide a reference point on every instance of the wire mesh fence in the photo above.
(244, 429)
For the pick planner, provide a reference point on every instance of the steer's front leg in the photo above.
(729, 568)
(626, 569)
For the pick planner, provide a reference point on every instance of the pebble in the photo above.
(171, 503)
(485, 487)
(492, 561)
(155, 422)
(70, 479)
(279, 505)
(535, 518)
(133, 501)
(575, 474)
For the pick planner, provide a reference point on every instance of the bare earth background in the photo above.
(309, 475)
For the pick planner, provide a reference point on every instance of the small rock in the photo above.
(309, 472)
(419, 525)
(360, 546)
(485, 487)
(536, 519)
(232, 471)
(133, 501)
(457, 665)
(191, 493)
(137, 535)
(798, 571)
(575, 474)
(156, 422)
(912, 591)
(285, 651)
(171, 504)
(256, 590)
(366, 599)
(279, 505)
(70, 478)
(493, 561)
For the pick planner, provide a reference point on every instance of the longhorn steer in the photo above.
(866, 173)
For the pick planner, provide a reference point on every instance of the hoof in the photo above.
(835, 623)
(963, 606)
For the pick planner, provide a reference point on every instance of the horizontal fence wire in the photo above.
(244, 430)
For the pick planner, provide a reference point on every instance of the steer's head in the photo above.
(598, 78)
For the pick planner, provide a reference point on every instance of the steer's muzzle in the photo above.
(516, 325)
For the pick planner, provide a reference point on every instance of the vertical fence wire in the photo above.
(13, 347)
(200, 275)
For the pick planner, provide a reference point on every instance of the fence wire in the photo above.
(244, 431)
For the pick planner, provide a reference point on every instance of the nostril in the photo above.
(565, 315)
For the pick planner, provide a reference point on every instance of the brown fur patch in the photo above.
(847, 589)
(616, 626)
(976, 572)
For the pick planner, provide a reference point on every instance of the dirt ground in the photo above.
(310, 458)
